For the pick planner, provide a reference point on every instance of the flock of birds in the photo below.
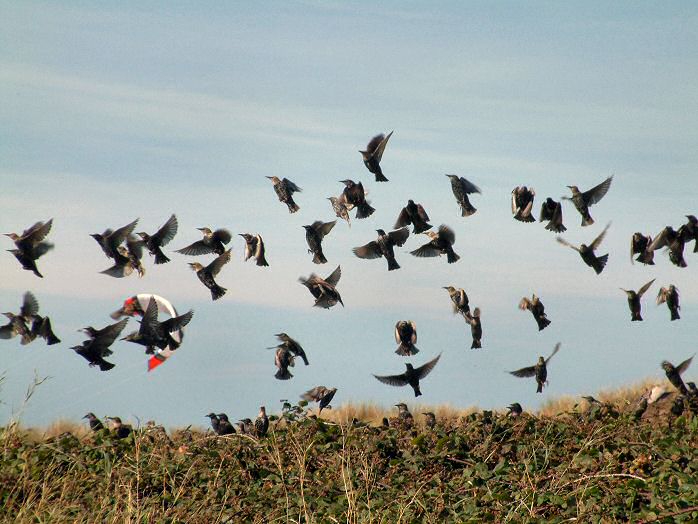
(126, 251)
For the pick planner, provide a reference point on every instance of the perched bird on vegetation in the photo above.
(207, 274)
(583, 200)
(215, 422)
(403, 413)
(411, 376)
(540, 371)
(314, 233)
(284, 190)
(429, 419)
(406, 336)
(95, 423)
(320, 394)
(324, 290)
(383, 246)
(294, 347)
(225, 427)
(515, 410)
(441, 244)
(254, 248)
(638, 246)
(354, 196)
(522, 203)
(121, 430)
(155, 242)
(587, 252)
(413, 214)
(674, 242)
(692, 389)
(640, 408)
(213, 242)
(459, 299)
(373, 154)
(674, 374)
(551, 211)
(283, 359)
(261, 423)
(461, 188)
(475, 328)
(245, 426)
(634, 300)
(97, 347)
(30, 245)
(670, 295)
(537, 309)
(340, 208)
(153, 333)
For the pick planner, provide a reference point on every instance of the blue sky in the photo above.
(112, 112)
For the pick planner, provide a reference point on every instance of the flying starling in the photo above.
(537, 309)
(207, 274)
(539, 371)
(383, 246)
(324, 290)
(413, 214)
(320, 394)
(95, 423)
(689, 231)
(284, 190)
(515, 410)
(411, 376)
(551, 211)
(674, 374)
(634, 300)
(97, 347)
(153, 333)
(127, 259)
(41, 327)
(441, 244)
(294, 347)
(21, 323)
(587, 252)
(340, 208)
(461, 189)
(406, 336)
(459, 299)
(215, 422)
(403, 413)
(674, 242)
(110, 240)
(522, 203)
(475, 328)
(261, 423)
(429, 419)
(160, 238)
(373, 154)
(121, 430)
(314, 233)
(30, 245)
(354, 196)
(254, 248)
(213, 242)
(283, 359)
(582, 201)
(670, 295)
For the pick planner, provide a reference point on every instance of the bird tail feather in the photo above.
(600, 264)
(364, 210)
(543, 322)
(217, 292)
(161, 258)
(106, 366)
(292, 206)
(452, 257)
(319, 258)
(283, 374)
(476, 344)
(392, 264)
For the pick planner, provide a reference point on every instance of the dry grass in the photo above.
(372, 413)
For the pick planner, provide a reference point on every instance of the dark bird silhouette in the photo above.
(110, 240)
(27, 323)
(459, 298)
(121, 430)
(354, 196)
(515, 410)
(406, 337)
(373, 154)
(692, 389)
(284, 190)
(674, 374)
(551, 211)
(411, 376)
(540, 370)
(324, 290)
(403, 414)
(261, 423)
(537, 309)
(638, 246)
(314, 233)
(294, 347)
(413, 214)
(320, 394)
(30, 245)
(587, 252)
(475, 328)
(678, 406)
(441, 244)
(155, 334)
(225, 427)
(213, 242)
(127, 259)
(634, 300)
(583, 200)
(155, 242)
(207, 274)
(97, 347)
(254, 248)
(245, 426)
(522, 203)
(461, 189)
(283, 359)
(41, 327)
(340, 208)
(670, 295)
(383, 246)
(16, 326)
(689, 231)
(215, 422)
(674, 242)
(95, 423)
(429, 419)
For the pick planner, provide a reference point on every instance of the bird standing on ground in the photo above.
(638, 246)
(225, 427)
(674, 374)
(320, 394)
(324, 290)
(551, 211)
(522, 203)
(254, 248)
(411, 376)
(383, 246)
(213, 242)
(155, 242)
(406, 336)
(95, 423)
(634, 300)
(283, 359)
(459, 298)
(284, 190)
(30, 245)
(355, 196)
(670, 295)
(537, 309)
(583, 200)
(540, 370)
(261, 423)
(207, 274)
(587, 252)
(475, 328)
(374, 153)
(413, 214)
(441, 244)
(294, 347)
(314, 233)
(461, 188)
(97, 347)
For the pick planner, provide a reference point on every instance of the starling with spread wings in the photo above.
(21, 323)
(320, 394)
(314, 233)
(153, 333)
(540, 370)
(522, 203)
(213, 242)
(374, 153)
(254, 248)
(208, 273)
(587, 252)
(441, 244)
(406, 337)
(638, 246)
(411, 376)
(383, 246)
(461, 188)
(674, 373)
(97, 347)
(413, 214)
(110, 240)
(294, 347)
(284, 190)
(324, 290)
(583, 200)
(690, 231)
(634, 300)
(354, 196)
(30, 245)
(537, 309)
(155, 242)
(551, 211)
(670, 295)
(674, 241)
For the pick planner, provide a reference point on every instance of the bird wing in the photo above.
(221, 260)
(427, 250)
(546, 213)
(662, 295)
(177, 323)
(422, 213)
(447, 234)
(525, 303)
(661, 240)
(117, 237)
(400, 236)
(107, 335)
(30, 306)
(597, 241)
(259, 251)
(414, 332)
(468, 186)
(634, 247)
(323, 228)
(122, 268)
(166, 232)
(7, 331)
(223, 235)
(37, 232)
(314, 394)
(135, 246)
(555, 350)
(529, 371)
(514, 204)
(644, 288)
(290, 186)
(684, 365)
(565, 243)
(196, 249)
(398, 326)
(403, 219)
(334, 276)
(423, 370)
(393, 380)
(596, 193)
(149, 323)
(377, 145)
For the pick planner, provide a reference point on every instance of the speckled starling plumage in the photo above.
(475, 328)
(583, 200)
(413, 214)
(354, 196)
(461, 188)
(284, 189)
(324, 290)
(522, 203)
(537, 309)
(254, 248)
(314, 233)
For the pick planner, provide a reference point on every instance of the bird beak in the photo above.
(269, 177)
